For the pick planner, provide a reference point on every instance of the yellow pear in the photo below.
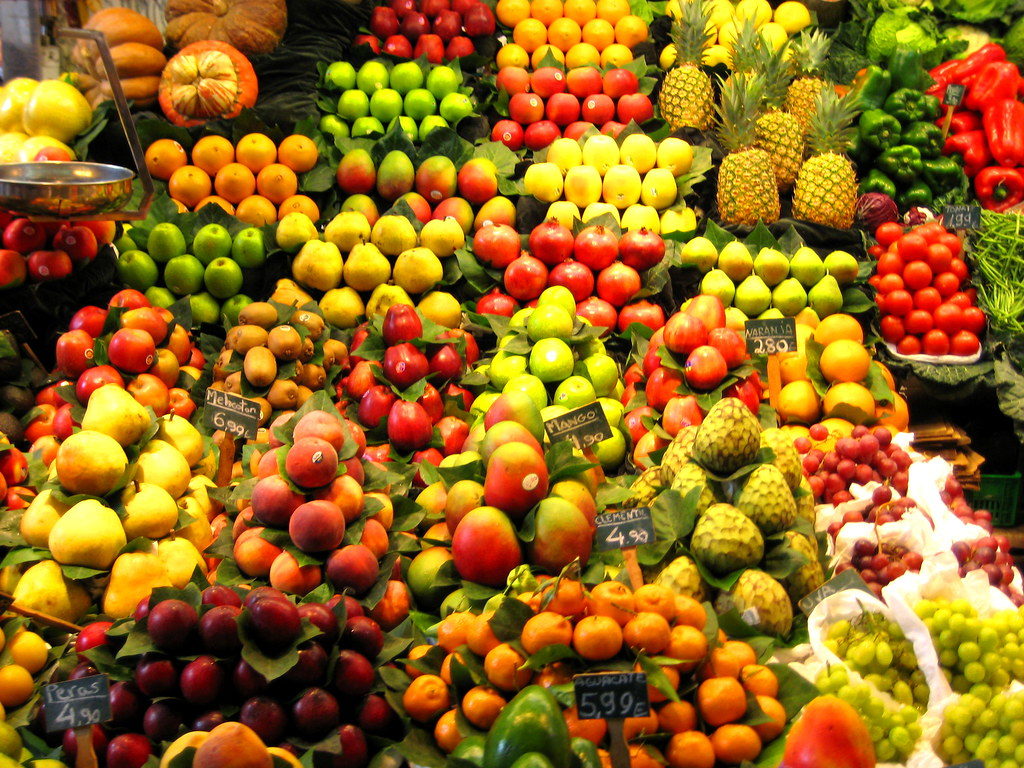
(16, 94)
(393, 234)
(366, 267)
(43, 588)
(582, 185)
(543, 181)
(564, 212)
(383, 297)
(149, 511)
(88, 534)
(198, 530)
(318, 265)
(294, 230)
(622, 186)
(347, 230)
(134, 576)
(191, 739)
(39, 518)
(418, 269)
(207, 466)
(442, 308)
(659, 188)
(232, 745)
(601, 152)
(594, 210)
(639, 151)
(179, 432)
(565, 153)
(343, 307)
(56, 109)
(90, 462)
(180, 559)
(441, 236)
(164, 465)
(198, 489)
(288, 292)
(676, 155)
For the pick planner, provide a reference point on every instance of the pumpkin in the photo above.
(206, 80)
(251, 26)
(136, 46)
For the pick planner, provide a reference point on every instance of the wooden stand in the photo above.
(617, 733)
(86, 755)
(947, 121)
(226, 447)
(7, 601)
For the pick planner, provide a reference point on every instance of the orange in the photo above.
(637, 726)
(630, 31)
(616, 55)
(613, 599)
(416, 652)
(599, 33)
(838, 326)
(844, 360)
(851, 394)
(721, 664)
(298, 204)
(164, 157)
(502, 667)
(15, 685)
(446, 731)
(558, 673)
(446, 668)
(426, 698)
(798, 401)
(887, 375)
(546, 11)
(546, 50)
(568, 599)
(451, 633)
(511, 12)
(690, 612)
(896, 415)
(656, 696)
(277, 182)
(189, 185)
(677, 717)
(27, 649)
(735, 743)
(648, 632)
(213, 152)
(759, 680)
(690, 749)
(481, 706)
(612, 10)
(741, 652)
(182, 208)
(256, 211)
(656, 598)
(530, 34)
(512, 55)
(721, 700)
(644, 756)
(564, 34)
(580, 11)
(255, 151)
(591, 730)
(479, 636)
(298, 152)
(793, 367)
(773, 709)
(582, 55)
(544, 629)
(687, 644)
(597, 638)
(234, 182)
(216, 200)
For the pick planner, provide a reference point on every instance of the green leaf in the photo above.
(782, 561)
(445, 141)
(855, 301)
(812, 351)
(675, 514)
(795, 691)
(877, 384)
(760, 237)
(419, 749)
(726, 582)
(509, 619)
(656, 677)
(790, 240)
(550, 654)
(273, 667)
(25, 555)
(719, 237)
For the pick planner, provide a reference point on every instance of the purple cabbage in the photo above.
(875, 209)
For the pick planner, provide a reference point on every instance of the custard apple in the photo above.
(786, 460)
(761, 602)
(682, 576)
(725, 540)
(677, 454)
(809, 576)
(805, 501)
(691, 476)
(766, 499)
(645, 488)
(728, 439)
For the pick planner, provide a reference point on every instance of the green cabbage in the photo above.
(974, 37)
(975, 11)
(899, 27)
(1014, 43)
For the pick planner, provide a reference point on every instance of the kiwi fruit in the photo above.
(233, 383)
(219, 374)
(261, 313)
(311, 320)
(283, 394)
(242, 338)
(304, 393)
(265, 409)
(308, 350)
(17, 399)
(285, 342)
(335, 351)
(312, 376)
(260, 367)
(11, 427)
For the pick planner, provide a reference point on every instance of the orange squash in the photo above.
(136, 46)
(251, 26)
(205, 81)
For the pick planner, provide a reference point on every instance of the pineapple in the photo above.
(745, 48)
(778, 133)
(746, 182)
(808, 56)
(826, 187)
(686, 99)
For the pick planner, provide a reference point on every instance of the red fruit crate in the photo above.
(1000, 495)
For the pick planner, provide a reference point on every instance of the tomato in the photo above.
(959, 268)
(939, 257)
(964, 344)
(899, 302)
(917, 275)
(946, 283)
(889, 263)
(961, 299)
(918, 321)
(972, 296)
(974, 320)
(930, 231)
(888, 233)
(909, 345)
(936, 343)
(912, 246)
(891, 328)
(949, 318)
(889, 283)
(952, 242)
(927, 299)
(875, 251)
(874, 280)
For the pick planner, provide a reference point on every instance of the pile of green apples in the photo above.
(209, 267)
(416, 96)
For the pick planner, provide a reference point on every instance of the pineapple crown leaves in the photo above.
(747, 48)
(739, 109)
(773, 65)
(831, 124)
(809, 52)
(692, 32)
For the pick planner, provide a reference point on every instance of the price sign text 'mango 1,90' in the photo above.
(585, 426)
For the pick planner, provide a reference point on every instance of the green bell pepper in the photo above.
(531, 722)
(907, 69)
(927, 137)
(942, 174)
(876, 181)
(916, 194)
(910, 106)
(902, 164)
(871, 86)
(584, 754)
(878, 130)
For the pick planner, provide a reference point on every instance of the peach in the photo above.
(317, 526)
(345, 492)
(311, 462)
(255, 555)
(385, 514)
(273, 501)
(375, 538)
(353, 567)
(393, 608)
(322, 424)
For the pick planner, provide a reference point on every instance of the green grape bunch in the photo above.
(990, 729)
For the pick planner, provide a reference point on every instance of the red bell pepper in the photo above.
(962, 122)
(973, 64)
(1004, 129)
(972, 147)
(998, 80)
(943, 76)
(998, 188)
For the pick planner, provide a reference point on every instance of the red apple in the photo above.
(525, 108)
(409, 426)
(413, 25)
(525, 278)
(619, 82)
(94, 378)
(598, 108)
(74, 352)
(384, 21)
(429, 45)
(730, 344)
(584, 81)
(458, 47)
(577, 277)
(512, 80)
(634, 107)
(562, 109)
(547, 81)
(684, 333)
(399, 46)
(24, 236)
(576, 130)
(131, 350)
(540, 134)
(705, 368)
(13, 269)
(447, 24)
(644, 312)
(509, 133)
(90, 319)
(479, 20)
(373, 43)
(78, 242)
(49, 265)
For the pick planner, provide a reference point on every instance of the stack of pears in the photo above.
(125, 477)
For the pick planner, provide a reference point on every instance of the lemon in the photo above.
(672, 9)
(760, 11)
(15, 95)
(716, 54)
(727, 33)
(665, 60)
(56, 109)
(774, 34)
(29, 650)
(792, 16)
(721, 12)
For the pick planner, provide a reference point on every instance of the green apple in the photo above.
(205, 308)
(372, 76)
(366, 126)
(223, 277)
(340, 76)
(442, 81)
(560, 296)
(611, 452)
(483, 402)
(165, 241)
(518, 320)
(125, 243)
(430, 123)
(137, 270)
(455, 106)
(334, 125)
(406, 76)
(600, 370)
(159, 296)
(551, 360)
(531, 386)
(419, 102)
(549, 321)
(352, 105)
(406, 125)
(614, 411)
(506, 366)
(234, 305)
(574, 392)
(386, 104)
(248, 248)
(211, 242)
(184, 274)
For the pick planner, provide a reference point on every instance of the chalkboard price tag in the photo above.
(772, 336)
(954, 95)
(611, 695)
(848, 579)
(962, 216)
(16, 323)
(238, 416)
(625, 528)
(585, 426)
(77, 703)
(970, 764)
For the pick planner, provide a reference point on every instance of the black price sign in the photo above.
(238, 416)
(16, 323)
(611, 695)
(77, 703)
(771, 336)
(970, 764)
(954, 95)
(848, 579)
(585, 426)
(962, 216)
(624, 528)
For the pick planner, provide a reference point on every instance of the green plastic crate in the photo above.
(1000, 495)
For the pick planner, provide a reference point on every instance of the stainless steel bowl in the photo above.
(64, 189)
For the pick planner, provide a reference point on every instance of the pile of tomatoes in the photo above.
(922, 281)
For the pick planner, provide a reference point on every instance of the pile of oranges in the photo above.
(578, 33)
(255, 180)
(610, 623)
(26, 653)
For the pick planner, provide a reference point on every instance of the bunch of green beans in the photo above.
(998, 254)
